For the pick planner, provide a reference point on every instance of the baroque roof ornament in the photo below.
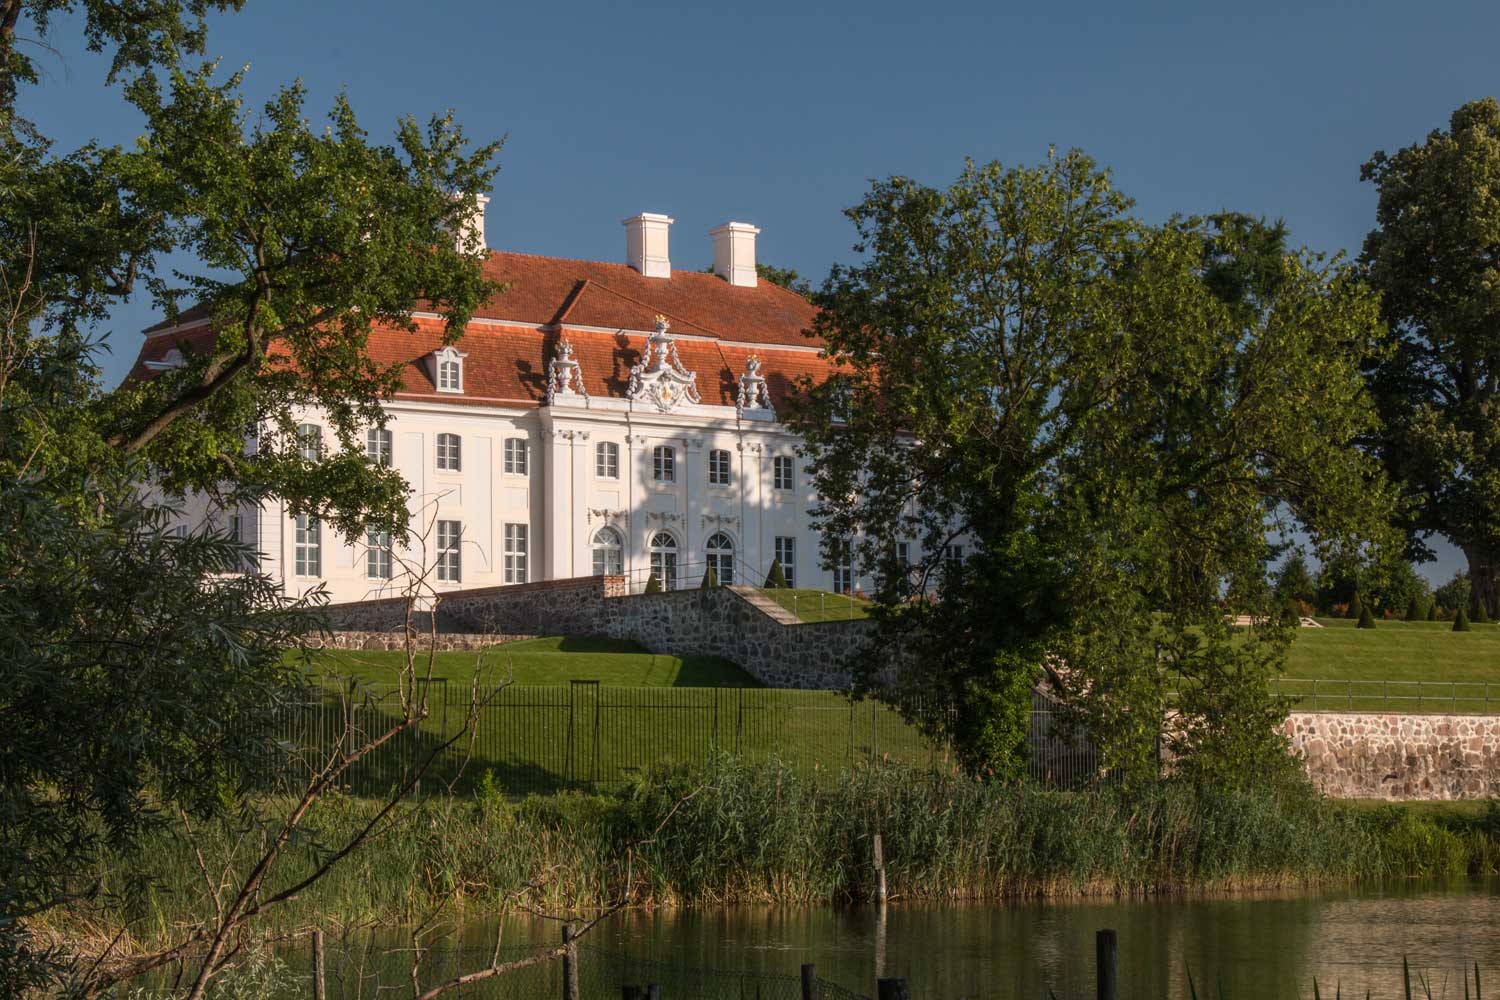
(565, 376)
(753, 392)
(659, 378)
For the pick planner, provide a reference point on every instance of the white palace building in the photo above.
(595, 418)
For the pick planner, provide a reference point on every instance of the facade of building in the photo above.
(595, 418)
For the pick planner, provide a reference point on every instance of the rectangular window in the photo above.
(449, 452)
(843, 567)
(378, 446)
(783, 473)
(310, 442)
(607, 460)
(240, 532)
(515, 456)
(378, 554)
(953, 558)
(664, 464)
(718, 467)
(786, 554)
(309, 554)
(515, 553)
(449, 553)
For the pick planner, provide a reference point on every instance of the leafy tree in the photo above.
(710, 579)
(1107, 413)
(1293, 581)
(776, 578)
(1366, 620)
(136, 673)
(1435, 258)
(1454, 593)
(1461, 621)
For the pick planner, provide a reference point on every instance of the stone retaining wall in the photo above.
(441, 641)
(737, 623)
(1381, 756)
(723, 621)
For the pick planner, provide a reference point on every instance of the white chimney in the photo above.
(471, 230)
(734, 253)
(646, 244)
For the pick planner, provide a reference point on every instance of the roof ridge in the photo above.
(570, 301)
(657, 309)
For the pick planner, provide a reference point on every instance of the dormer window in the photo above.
(448, 370)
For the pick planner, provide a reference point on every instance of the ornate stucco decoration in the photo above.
(720, 521)
(660, 378)
(565, 376)
(662, 517)
(620, 517)
(753, 392)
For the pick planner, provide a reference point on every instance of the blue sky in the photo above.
(780, 113)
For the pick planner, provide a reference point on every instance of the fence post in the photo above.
(891, 989)
(570, 964)
(809, 982)
(1106, 961)
(317, 957)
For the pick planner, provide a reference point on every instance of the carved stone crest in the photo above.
(659, 378)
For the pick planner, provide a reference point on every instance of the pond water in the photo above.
(1351, 940)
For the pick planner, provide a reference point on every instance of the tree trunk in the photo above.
(1484, 583)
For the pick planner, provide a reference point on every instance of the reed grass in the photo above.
(735, 832)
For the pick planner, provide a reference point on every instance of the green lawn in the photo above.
(1400, 666)
(552, 660)
(818, 605)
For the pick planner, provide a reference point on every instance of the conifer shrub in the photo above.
(1414, 610)
(1461, 622)
(710, 579)
(776, 578)
(1366, 620)
(1356, 606)
(653, 585)
(1480, 615)
(1432, 614)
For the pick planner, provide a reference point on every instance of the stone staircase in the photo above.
(778, 614)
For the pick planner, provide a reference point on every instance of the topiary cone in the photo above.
(1356, 606)
(653, 585)
(1414, 611)
(1366, 620)
(777, 577)
(1461, 623)
(1480, 615)
(710, 579)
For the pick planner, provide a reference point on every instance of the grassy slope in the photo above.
(818, 605)
(555, 660)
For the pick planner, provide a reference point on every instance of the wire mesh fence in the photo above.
(596, 737)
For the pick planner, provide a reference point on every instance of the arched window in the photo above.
(449, 373)
(609, 553)
(664, 560)
(719, 551)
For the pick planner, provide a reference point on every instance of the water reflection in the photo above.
(1250, 946)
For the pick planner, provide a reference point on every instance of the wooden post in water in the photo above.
(1106, 959)
(570, 964)
(809, 982)
(879, 870)
(318, 980)
(891, 989)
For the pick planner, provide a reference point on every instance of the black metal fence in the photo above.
(591, 736)
(1323, 694)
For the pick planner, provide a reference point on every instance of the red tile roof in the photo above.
(507, 355)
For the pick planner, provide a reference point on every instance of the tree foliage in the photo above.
(1293, 580)
(1109, 414)
(138, 664)
(1434, 256)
